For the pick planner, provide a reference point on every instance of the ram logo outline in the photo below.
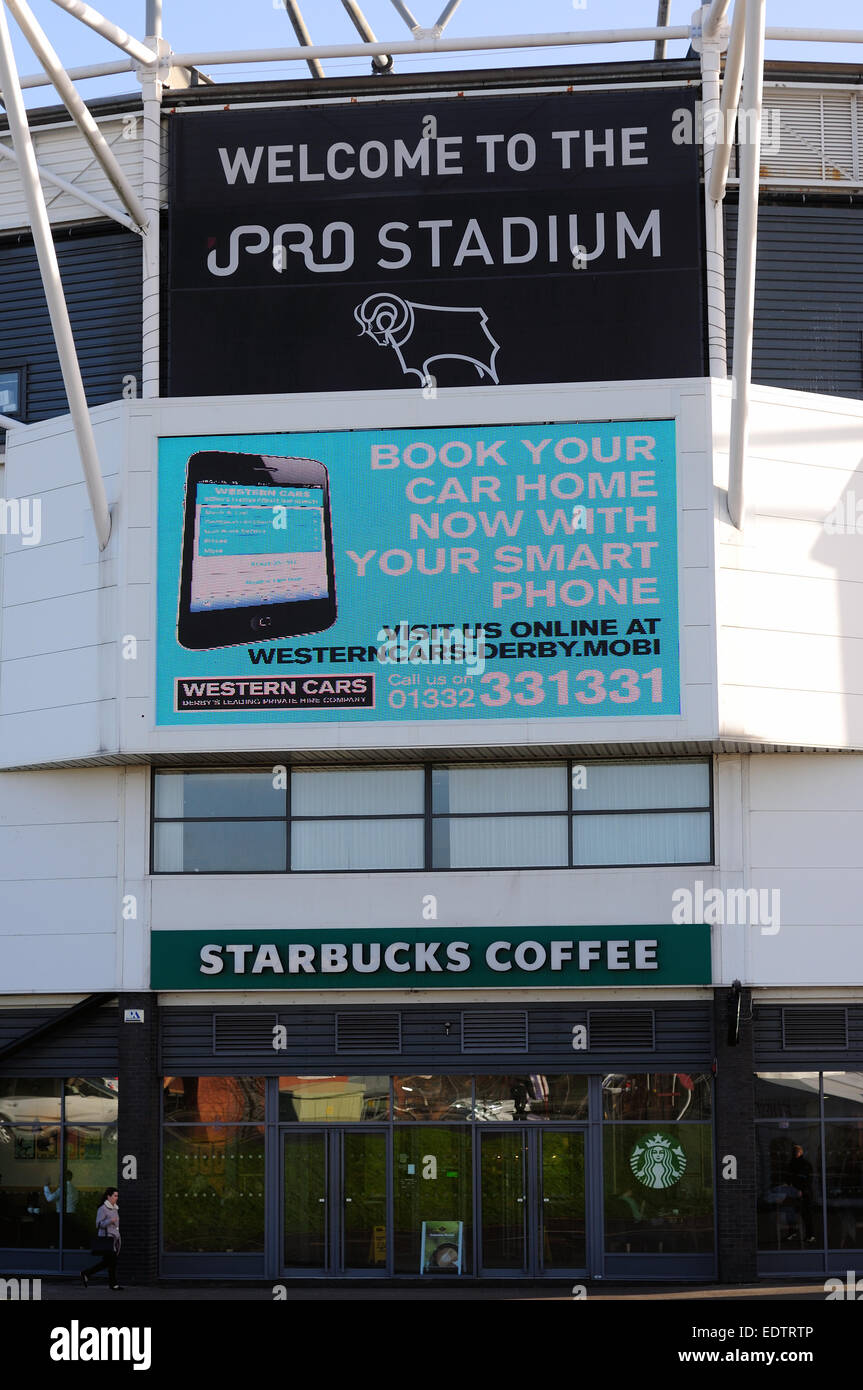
(410, 329)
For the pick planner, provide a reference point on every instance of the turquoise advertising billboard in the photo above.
(465, 573)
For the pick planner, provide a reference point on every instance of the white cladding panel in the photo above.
(789, 610)
(58, 636)
(62, 150)
(60, 835)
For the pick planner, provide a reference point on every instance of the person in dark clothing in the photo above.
(107, 1243)
(800, 1177)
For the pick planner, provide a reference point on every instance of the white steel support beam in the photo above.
(81, 193)
(38, 41)
(154, 18)
(94, 20)
(662, 12)
(447, 13)
(151, 92)
(366, 32)
(713, 20)
(39, 79)
(717, 332)
(488, 42)
(747, 248)
(47, 257)
(404, 13)
(730, 102)
(299, 26)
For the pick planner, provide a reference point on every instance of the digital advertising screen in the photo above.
(403, 575)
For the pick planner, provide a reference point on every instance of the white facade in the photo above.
(74, 844)
(770, 636)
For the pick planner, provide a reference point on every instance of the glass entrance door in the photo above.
(503, 1191)
(532, 1200)
(305, 1200)
(364, 1200)
(563, 1232)
(335, 1201)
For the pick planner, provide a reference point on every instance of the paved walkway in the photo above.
(368, 1291)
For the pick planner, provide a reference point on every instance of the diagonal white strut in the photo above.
(41, 46)
(47, 256)
(302, 33)
(747, 245)
(112, 32)
(82, 194)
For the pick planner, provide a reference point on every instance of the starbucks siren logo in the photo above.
(658, 1161)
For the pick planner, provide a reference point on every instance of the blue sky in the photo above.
(196, 25)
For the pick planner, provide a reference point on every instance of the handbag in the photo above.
(102, 1245)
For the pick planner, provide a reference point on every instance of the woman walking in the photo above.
(107, 1242)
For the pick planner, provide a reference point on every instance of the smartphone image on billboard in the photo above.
(257, 550)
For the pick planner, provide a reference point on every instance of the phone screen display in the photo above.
(257, 545)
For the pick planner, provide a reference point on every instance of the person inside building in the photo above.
(800, 1177)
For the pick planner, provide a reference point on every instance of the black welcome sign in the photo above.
(472, 241)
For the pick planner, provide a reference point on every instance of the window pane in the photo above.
(432, 1097)
(214, 847)
(789, 1186)
(432, 1181)
(534, 1097)
(91, 1166)
(357, 844)
(91, 1099)
(664, 838)
(340, 1098)
(29, 1158)
(218, 794)
(499, 842)
(643, 786)
(658, 1189)
(844, 1154)
(213, 1099)
(843, 1093)
(657, 1096)
(388, 792)
(461, 789)
(29, 1100)
(213, 1189)
(792, 1094)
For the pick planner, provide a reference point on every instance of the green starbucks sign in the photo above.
(420, 958)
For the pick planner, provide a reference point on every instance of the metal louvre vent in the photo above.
(494, 1032)
(368, 1032)
(613, 1031)
(243, 1034)
(812, 137)
(814, 1027)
